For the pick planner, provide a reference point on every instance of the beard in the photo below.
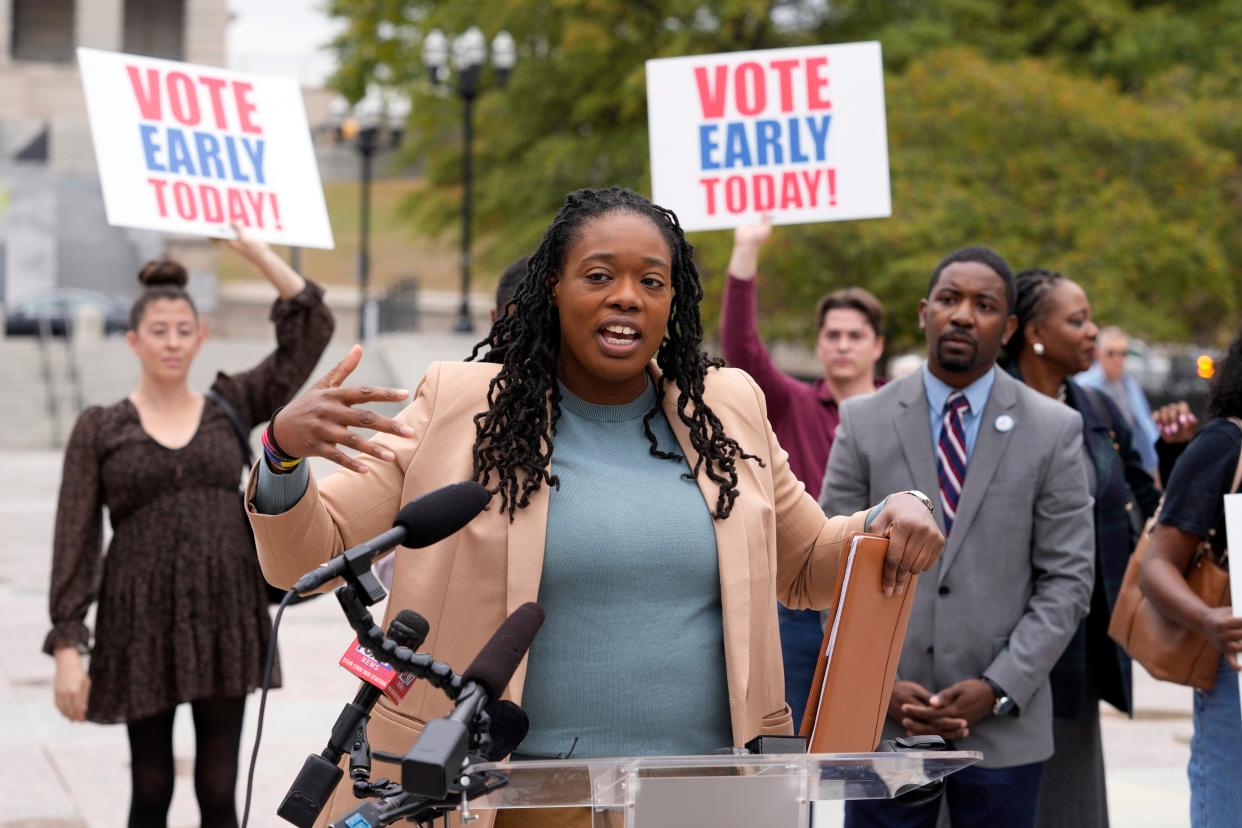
(957, 362)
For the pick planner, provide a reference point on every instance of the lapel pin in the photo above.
(1003, 423)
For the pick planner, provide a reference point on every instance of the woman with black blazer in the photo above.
(1055, 339)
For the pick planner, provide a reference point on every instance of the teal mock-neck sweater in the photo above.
(630, 660)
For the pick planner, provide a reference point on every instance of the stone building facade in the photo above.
(53, 230)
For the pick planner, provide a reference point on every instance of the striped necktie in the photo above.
(951, 457)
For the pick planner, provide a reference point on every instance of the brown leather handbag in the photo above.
(1168, 650)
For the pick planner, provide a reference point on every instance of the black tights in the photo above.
(217, 739)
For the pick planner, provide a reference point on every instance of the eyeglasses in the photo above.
(1113, 353)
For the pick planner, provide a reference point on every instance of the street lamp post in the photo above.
(368, 142)
(366, 128)
(469, 54)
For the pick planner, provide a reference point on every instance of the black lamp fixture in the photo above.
(372, 125)
(468, 53)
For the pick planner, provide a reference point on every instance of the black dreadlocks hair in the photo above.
(513, 437)
(1030, 301)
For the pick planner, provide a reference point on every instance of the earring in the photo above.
(1038, 348)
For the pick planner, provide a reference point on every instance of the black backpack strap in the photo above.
(239, 430)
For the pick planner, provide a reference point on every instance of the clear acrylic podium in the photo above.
(772, 791)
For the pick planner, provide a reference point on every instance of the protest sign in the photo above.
(798, 134)
(191, 149)
(1233, 540)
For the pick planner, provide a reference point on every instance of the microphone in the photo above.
(408, 629)
(320, 774)
(499, 659)
(424, 521)
(434, 762)
(509, 726)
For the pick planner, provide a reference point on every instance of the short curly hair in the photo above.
(1225, 399)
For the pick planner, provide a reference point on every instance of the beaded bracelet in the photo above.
(277, 460)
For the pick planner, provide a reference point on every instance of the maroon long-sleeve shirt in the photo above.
(804, 416)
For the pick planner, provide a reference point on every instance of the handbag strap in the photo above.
(243, 438)
(1205, 549)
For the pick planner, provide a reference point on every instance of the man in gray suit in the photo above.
(1004, 469)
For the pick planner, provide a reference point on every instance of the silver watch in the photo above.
(924, 499)
(1002, 705)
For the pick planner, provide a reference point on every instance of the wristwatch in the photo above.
(922, 498)
(1003, 705)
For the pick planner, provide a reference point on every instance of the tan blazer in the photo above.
(775, 544)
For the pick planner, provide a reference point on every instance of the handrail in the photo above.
(49, 381)
(72, 368)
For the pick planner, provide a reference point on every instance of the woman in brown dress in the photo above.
(182, 609)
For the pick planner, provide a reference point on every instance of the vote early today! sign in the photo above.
(798, 134)
(192, 149)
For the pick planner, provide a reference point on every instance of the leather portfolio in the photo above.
(858, 658)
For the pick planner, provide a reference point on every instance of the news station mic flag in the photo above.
(192, 149)
(798, 134)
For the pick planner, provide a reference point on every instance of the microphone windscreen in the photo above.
(434, 516)
(509, 727)
(496, 662)
(409, 629)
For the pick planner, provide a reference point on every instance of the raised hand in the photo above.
(247, 246)
(747, 242)
(322, 418)
(287, 281)
(755, 235)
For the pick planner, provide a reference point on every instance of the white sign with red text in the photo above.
(1233, 540)
(192, 149)
(798, 134)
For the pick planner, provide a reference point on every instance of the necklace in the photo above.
(1062, 393)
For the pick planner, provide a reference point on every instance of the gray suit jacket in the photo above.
(1017, 572)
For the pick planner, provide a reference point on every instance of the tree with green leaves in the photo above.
(1101, 139)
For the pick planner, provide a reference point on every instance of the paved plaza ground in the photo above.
(53, 773)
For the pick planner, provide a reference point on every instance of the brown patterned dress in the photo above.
(182, 609)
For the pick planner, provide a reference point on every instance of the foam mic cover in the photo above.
(409, 629)
(509, 726)
(434, 516)
(496, 662)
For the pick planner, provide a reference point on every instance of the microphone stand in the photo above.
(403, 659)
(360, 590)
(402, 805)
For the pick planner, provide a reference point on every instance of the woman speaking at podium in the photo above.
(638, 494)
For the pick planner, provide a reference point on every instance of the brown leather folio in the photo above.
(858, 658)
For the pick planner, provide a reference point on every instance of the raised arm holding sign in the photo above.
(194, 149)
(797, 133)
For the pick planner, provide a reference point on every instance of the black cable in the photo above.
(267, 680)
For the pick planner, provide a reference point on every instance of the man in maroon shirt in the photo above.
(849, 343)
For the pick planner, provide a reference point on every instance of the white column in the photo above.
(100, 24)
(6, 32)
(205, 24)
